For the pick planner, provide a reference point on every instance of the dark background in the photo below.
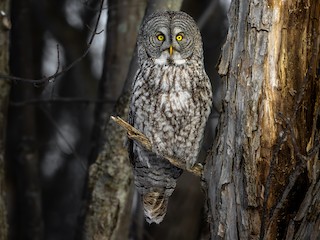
(52, 134)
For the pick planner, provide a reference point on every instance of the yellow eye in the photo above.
(179, 37)
(160, 37)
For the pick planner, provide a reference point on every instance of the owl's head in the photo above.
(169, 37)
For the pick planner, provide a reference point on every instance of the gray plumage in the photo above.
(170, 104)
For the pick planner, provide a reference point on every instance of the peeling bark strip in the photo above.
(4, 98)
(263, 175)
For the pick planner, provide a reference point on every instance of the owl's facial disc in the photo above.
(172, 45)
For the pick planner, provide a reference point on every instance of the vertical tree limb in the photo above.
(110, 176)
(5, 26)
(124, 18)
(110, 184)
(22, 153)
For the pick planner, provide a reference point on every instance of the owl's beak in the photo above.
(170, 50)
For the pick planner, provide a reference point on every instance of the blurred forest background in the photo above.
(56, 128)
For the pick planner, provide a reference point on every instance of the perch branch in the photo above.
(143, 141)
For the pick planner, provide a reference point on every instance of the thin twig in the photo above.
(135, 135)
(67, 68)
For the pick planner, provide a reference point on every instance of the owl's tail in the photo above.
(155, 206)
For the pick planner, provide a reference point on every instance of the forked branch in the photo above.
(135, 135)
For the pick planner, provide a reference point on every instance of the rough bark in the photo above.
(263, 174)
(110, 180)
(4, 98)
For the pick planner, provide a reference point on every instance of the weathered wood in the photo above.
(4, 99)
(110, 184)
(267, 135)
(142, 140)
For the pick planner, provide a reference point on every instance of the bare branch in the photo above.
(135, 135)
(58, 72)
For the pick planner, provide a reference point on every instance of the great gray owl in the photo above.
(170, 104)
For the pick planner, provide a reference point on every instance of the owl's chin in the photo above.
(179, 61)
(165, 60)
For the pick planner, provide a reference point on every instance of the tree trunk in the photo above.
(124, 18)
(110, 176)
(263, 174)
(4, 98)
(23, 171)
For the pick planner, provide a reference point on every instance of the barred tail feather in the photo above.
(155, 206)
